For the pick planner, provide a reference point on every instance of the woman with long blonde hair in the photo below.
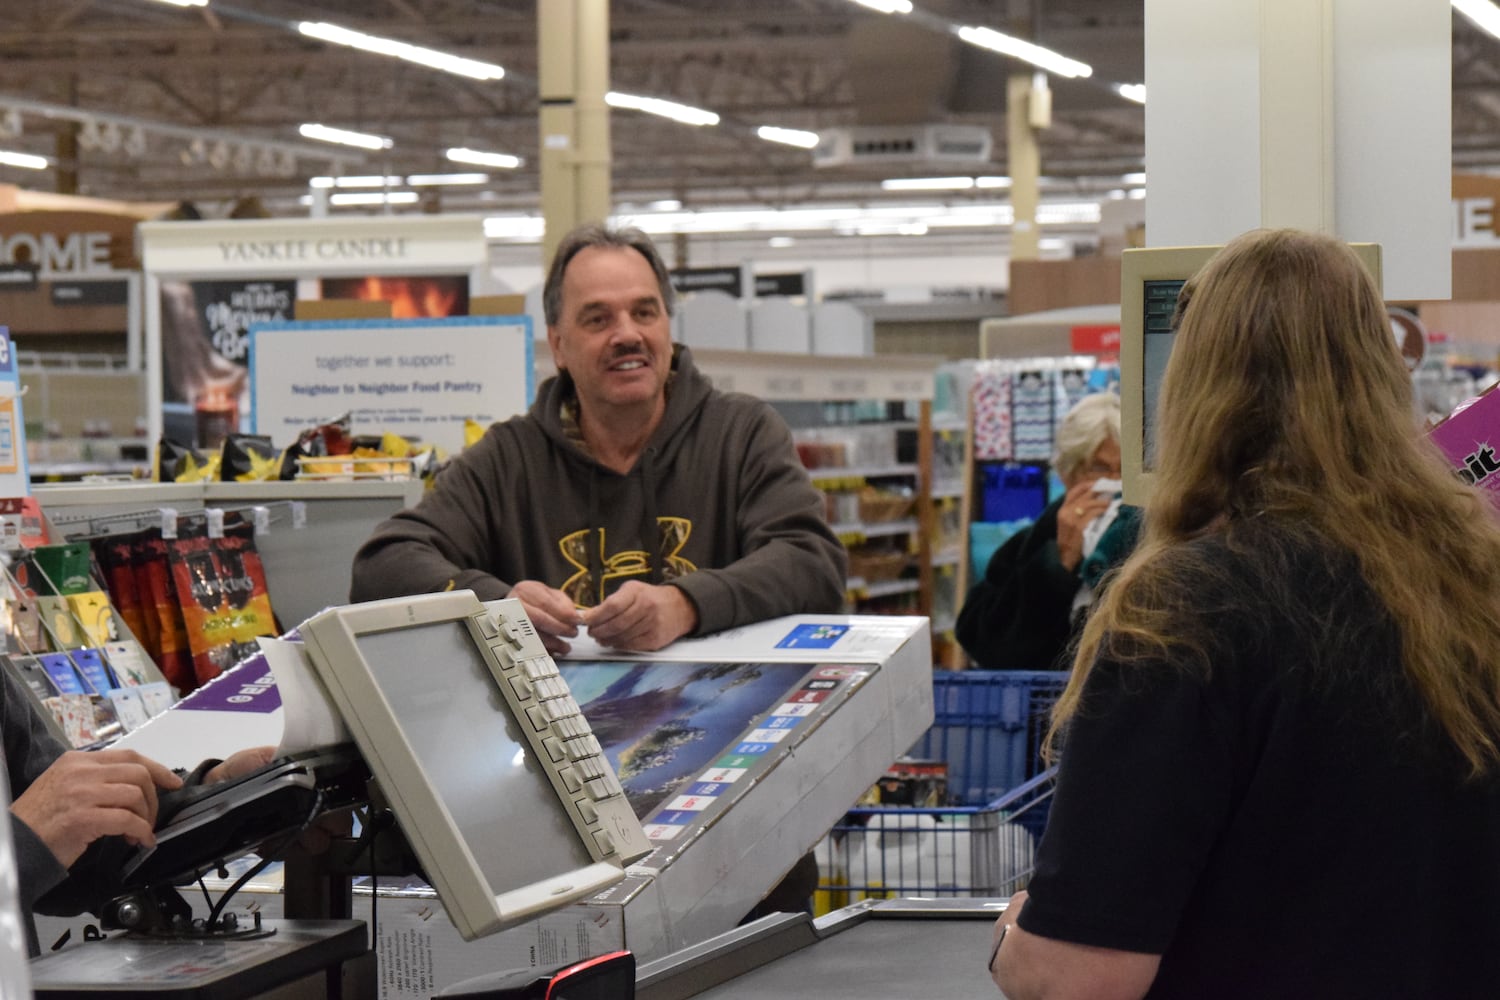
(1281, 765)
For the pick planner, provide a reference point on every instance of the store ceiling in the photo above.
(219, 94)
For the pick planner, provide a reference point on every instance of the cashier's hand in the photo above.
(551, 611)
(240, 763)
(87, 795)
(642, 617)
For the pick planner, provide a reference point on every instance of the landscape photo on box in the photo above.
(661, 724)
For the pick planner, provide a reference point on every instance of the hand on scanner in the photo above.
(85, 795)
(240, 764)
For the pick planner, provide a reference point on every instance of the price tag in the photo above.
(215, 518)
(168, 522)
(261, 518)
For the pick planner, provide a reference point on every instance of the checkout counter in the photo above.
(737, 752)
(873, 950)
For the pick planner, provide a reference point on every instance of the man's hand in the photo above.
(642, 617)
(85, 796)
(551, 611)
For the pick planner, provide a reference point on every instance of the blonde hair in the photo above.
(1285, 395)
(1093, 420)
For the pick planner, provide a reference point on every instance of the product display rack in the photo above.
(899, 518)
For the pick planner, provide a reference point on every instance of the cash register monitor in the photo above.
(479, 748)
(1150, 279)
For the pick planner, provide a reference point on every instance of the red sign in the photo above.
(1100, 338)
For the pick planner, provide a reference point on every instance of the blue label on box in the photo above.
(91, 664)
(707, 789)
(677, 817)
(755, 749)
(812, 637)
(64, 677)
(781, 722)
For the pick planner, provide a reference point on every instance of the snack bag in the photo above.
(249, 458)
(164, 616)
(117, 573)
(175, 460)
(221, 591)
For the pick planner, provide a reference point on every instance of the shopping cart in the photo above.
(988, 725)
(886, 852)
(988, 728)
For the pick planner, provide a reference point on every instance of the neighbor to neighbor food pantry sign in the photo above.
(420, 378)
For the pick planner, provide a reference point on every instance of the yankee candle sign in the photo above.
(420, 378)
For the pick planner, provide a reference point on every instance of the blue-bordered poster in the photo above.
(419, 378)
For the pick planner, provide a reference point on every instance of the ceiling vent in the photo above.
(954, 144)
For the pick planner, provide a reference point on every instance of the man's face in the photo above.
(612, 334)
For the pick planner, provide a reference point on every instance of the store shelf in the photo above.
(881, 588)
(883, 529)
(843, 474)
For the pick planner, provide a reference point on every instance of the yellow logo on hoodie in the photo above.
(580, 587)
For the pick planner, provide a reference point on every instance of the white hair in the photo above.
(1093, 420)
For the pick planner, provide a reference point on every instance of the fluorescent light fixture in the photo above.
(1137, 194)
(995, 41)
(898, 219)
(478, 157)
(987, 183)
(781, 242)
(185, 3)
(788, 136)
(352, 182)
(683, 113)
(26, 161)
(927, 184)
(887, 6)
(1483, 13)
(438, 180)
(664, 205)
(374, 198)
(1133, 178)
(1132, 92)
(519, 228)
(344, 137)
(472, 68)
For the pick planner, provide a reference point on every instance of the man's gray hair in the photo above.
(594, 234)
(1093, 420)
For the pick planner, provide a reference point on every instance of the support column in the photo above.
(1024, 165)
(573, 77)
(1296, 114)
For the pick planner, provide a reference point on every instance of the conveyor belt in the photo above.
(901, 950)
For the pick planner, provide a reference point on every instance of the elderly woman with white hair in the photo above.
(1020, 615)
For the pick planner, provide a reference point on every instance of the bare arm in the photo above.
(1031, 967)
